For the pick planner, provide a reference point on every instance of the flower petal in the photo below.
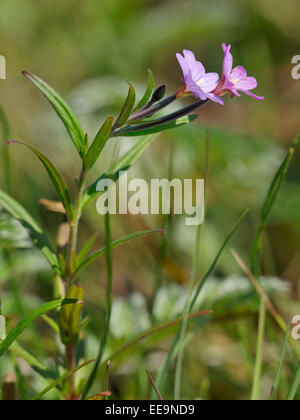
(183, 64)
(228, 59)
(259, 98)
(209, 81)
(215, 98)
(247, 84)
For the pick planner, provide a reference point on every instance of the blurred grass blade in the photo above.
(256, 385)
(267, 207)
(95, 255)
(62, 379)
(127, 107)
(33, 229)
(281, 361)
(86, 248)
(154, 126)
(98, 143)
(123, 164)
(69, 318)
(148, 92)
(64, 112)
(214, 263)
(295, 385)
(29, 319)
(55, 176)
(162, 374)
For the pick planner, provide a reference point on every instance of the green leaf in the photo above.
(29, 319)
(127, 107)
(123, 164)
(86, 248)
(35, 232)
(95, 255)
(55, 176)
(64, 112)
(69, 319)
(282, 356)
(62, 379)
(294, 385)
(148, 92)
(268, 205)
(154, 127)
(98, 143)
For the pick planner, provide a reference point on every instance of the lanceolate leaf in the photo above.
(63, 111)
(95, 255)
(154, 126)
(55, 177)
(123, 164)
(98, 144)
(29, 319)
(127, 107)
(35, 232)
(148, 92)
(86, 248)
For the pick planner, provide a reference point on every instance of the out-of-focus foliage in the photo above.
(85, 50)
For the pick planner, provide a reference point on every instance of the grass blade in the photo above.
(95, 255)
(161, 377)
(267, 207)
(282, 356)
(64, 112)
(295, 385)
(29, 319)
(61, 379)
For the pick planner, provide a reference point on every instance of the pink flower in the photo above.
(196, 81)
(235, 80)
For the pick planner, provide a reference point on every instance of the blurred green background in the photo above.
(86, 50)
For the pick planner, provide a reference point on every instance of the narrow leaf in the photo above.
(123, 164)
(127, 107)
(95, 255)
(148, 92)
(280, 364)
(62, 379)
(98, 144)
(64, 112)
(34, 231)
(294, 385)
(29, 319)
(54, 175)
(86, 248)
(267, 207)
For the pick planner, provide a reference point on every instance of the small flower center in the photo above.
(235, 81)
(200, 82)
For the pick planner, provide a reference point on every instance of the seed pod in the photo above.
(69, 321)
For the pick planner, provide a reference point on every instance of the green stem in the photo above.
(259, 351)
(74, 223)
